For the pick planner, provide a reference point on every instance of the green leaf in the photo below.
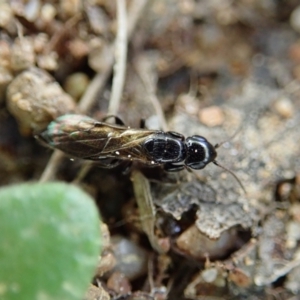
(49, 241)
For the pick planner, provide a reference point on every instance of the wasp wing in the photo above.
(86, 138)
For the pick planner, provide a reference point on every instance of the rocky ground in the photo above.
(226, 70)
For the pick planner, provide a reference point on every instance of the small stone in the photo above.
(119, 283)
(294, 52)
(212, 116)
(22, 54)
(6, 14)
(48, 61)
(35, 99)
(131, 258)
(195, 244)
(76, 84)
(284, 107)
(69, 8)
(78, 48)
(96, 292)
(240, 278)
(48, 12)
(107, 262)
(295, 19)
(209, 275)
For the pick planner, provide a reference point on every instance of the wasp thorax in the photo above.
(199, 152)
(164, 147)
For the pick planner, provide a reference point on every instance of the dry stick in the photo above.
(96, 85)
(120, 55)
(88, 99)
(52, 165)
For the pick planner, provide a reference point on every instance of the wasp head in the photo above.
(199, 152)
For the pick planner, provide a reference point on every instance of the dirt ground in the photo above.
(225, 70)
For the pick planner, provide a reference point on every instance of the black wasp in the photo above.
(83, 137)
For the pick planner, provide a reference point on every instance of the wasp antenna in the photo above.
(230, 172)
(218, 145)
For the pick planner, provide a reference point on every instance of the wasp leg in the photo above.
(42, 140)
(109, 163)
(176, 135)
(117, 119)
(170, 167)
(143, 123)
(127, 167)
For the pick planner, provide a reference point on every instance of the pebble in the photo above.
(284, 107)
(295, 19)
(212, 116)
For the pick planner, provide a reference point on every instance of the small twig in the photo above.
(96, 86)
(19, 30)
(277, 273)
(120, 59)
(52, 165)
(84, 169)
